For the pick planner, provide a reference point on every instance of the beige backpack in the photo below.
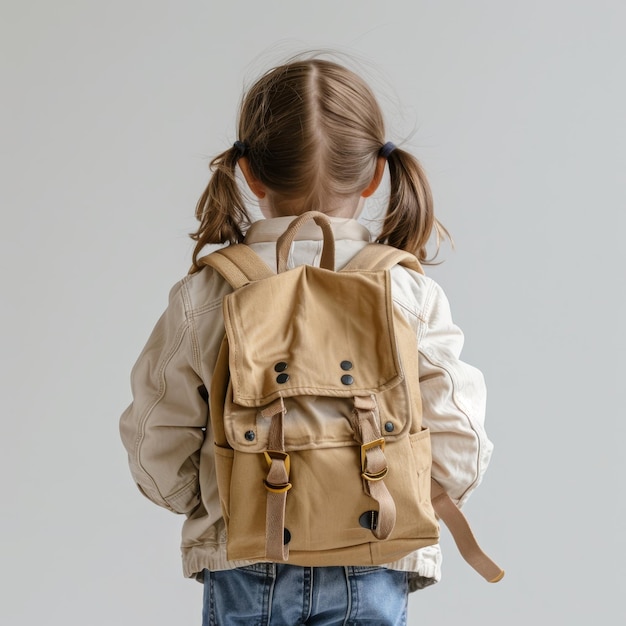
(321, 456)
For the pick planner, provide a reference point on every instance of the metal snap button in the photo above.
(369, 520)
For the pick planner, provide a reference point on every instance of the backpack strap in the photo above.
(366, 424)
(462, 534)
(276, 483)
(238, 264)
(378, 256)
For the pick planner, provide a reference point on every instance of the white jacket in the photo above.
(166, 425)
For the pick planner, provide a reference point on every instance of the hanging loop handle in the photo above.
(283, 245)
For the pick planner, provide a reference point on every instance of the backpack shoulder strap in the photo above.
(378, 256)
(238, 264)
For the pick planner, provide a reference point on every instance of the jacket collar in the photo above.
(267, 230)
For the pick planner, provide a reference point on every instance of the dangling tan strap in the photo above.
(377, 256)
(373, 463)
(277, 484)
(238, 265)
(462, 534)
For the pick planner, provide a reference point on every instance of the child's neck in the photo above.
(349, 208)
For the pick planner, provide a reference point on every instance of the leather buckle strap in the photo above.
(276, 483)
(374, 467)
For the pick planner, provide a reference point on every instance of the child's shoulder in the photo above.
(414, 292)
(201, 291)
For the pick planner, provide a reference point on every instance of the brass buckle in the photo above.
(277, 455)
(375, 477)
(364, 449)
(277, 488)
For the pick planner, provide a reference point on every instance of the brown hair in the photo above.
(313, 131)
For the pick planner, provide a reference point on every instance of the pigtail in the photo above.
(410, 217)
(221, 209)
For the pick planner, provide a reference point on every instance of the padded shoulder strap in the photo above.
(238, 264)
(378, 256)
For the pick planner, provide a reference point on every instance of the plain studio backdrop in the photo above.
(110, 114)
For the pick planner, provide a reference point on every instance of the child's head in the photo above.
(310, 134)
(312, 130)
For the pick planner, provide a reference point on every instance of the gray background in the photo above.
(110, 113)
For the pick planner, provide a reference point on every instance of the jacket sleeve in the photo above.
(453, 402)
(163, 428)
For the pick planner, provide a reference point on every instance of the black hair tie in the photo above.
(241, 148)
(387, 149)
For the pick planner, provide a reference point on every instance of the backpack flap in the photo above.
(309, 335)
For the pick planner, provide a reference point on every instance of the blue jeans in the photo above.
(267, 594)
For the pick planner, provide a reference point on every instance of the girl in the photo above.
(311, 136)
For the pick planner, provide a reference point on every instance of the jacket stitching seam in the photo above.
(466, 413)
(159, 396)
(193, 335)
(409, 310)
(205, 308)
(190, 486)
